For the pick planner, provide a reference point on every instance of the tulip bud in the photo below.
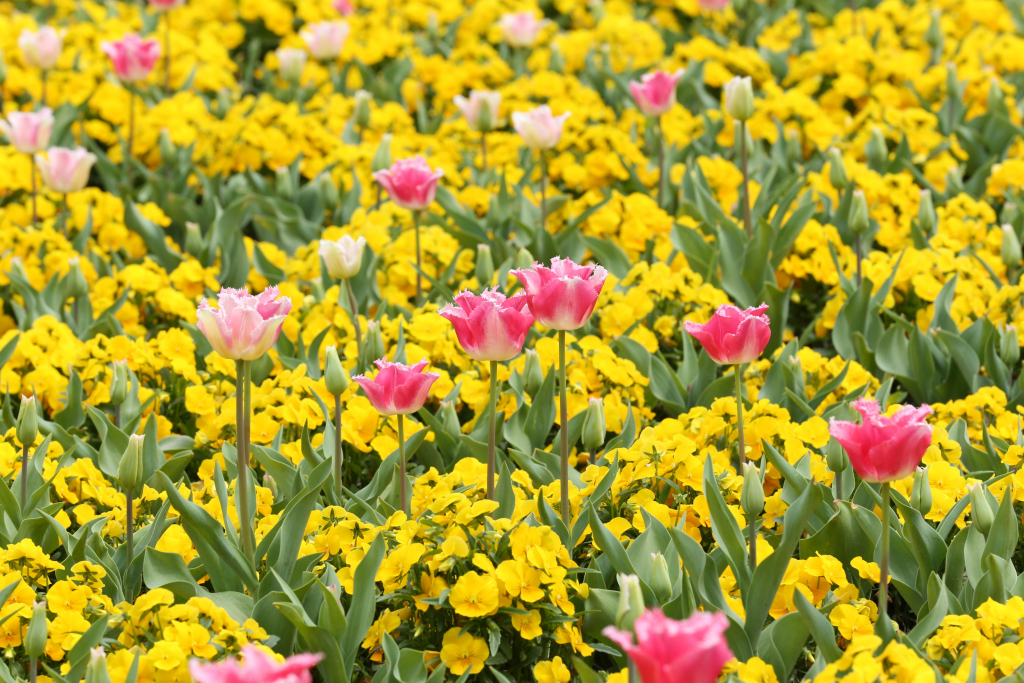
(382, 159)
(954, 181)
(927, 218)
(130, 470)
(76, 286)
(328, 191)
(373, 342)
(270, 483)
(1011, 247)
(631, 601)
(921, 494)
(283, 182)
(794, 148)
(981, 510)
(450, 419)
(739, 98)
(533, 375)
(335, 377)
(18, 268)
(223, 102)
(836, 457)
(361, 113)
(556, 62)
(858, 221)
(877, 151)
(933, 36)
(27, 424)
(524, 259)
(35, 636)
(97, 672)
(661, 584)
(594, 430)
(1009, 346)
(168, 152)
(996, 98)
(837, 169)
(194, 242)
(119, 383)
(752, 498)
(1009, 212)
(484, 265)
(3, 68)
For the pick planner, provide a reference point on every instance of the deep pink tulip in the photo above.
(132, 56)
(563, 296)
(243, 326)
(165, 5)
(655, 93)
(490, 326)
(883, 449)
(397, 389)
(668, 651)
(538, 128)
(344, 7)
(520, 29)
(41, 49)
(258, 667)
(29, 132)
(410, 183)
(65, 170)
(713, 5)
(733, 336)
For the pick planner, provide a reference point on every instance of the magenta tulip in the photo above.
(29, 132)
(243, 326)
(669, 651)
(397, 389)
(490, 327)
(563, 296)
(884, 449)
(41, 49)
(733, 336)
(258, 667)
(520, 29)
(65, 170)
(411, 183)
(538, 128)
(132, 56)
(655, 93)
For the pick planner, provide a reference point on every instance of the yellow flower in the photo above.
(528, 625)
(463, 652)
(166, 655)
(520, 580)
(553, 671)
(474, 595)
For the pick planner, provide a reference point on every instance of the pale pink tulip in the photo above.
(243, 326)
(655, 93)
(520, 29)
(481, 109)
(563, 296)
(538, 128)
(132, 56)
(29, 132)
(344, 7)
(258, 667)
(410, 183)
(490, 326)
(325, 39)
(669, 651)
(713, 5)
(733, 336)
(397, 389)
(41, 49)
(884, 449)
(65, 170)
(164, 5)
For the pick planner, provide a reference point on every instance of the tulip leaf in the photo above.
(725, 528)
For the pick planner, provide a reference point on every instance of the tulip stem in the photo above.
(35, 214)
(337, 445)
(242, 405)
(483, 150)
(401, 455)
(564, 431)
(64, 226)
(856, 247)
(746, 181)
(355, 314)
(33, 664)
(24, 475)
(130, 527)
(167, 52)
(419, 265)
(491, 429)
(753, 543)
(42, 99)
(117, 416)
(543, 192)
(883, 586)
(660, 135)
(741, 449)
(131, 140)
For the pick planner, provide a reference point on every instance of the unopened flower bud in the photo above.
(450, 420)
(382, 159)
(283, 183)
(524, 259)
(631, 602)
(556, 62)
(1009, 346)
(933, 36)
(836, 457)
(837, 169)
(194, 242)
(119, 382)
(921, 494)
(335, 377)
(271, 483)
(1011, 247)
(35, 636)
(484, 265)
(3, 68)
(97, 672)
(1009, 212)
(28, 422)
(328, 191)
(859, 221)
(661, 583)
(76, 286)
(168, 151)
(877, 151)
(981, 509)
(739, 98)
(361, 111)
(594, 430)
(752, 497)
(533, 374)
(927, 218)
(130, 470)
(373, 342)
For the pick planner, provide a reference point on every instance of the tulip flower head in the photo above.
(290, 63)
(132, 56)
(41, 49)
(397, 389)
(343, 258)
(884, 449)
(257, 667)
(538, 128)
(65, 170)
(481, 109)
(713, 5)
(563, 296)
(243, 326)
(344, 7)
(164, 5)
(29, 132)
(520, 29)
(733, 336)
(325, 39)
(411, 183)
(655, 93)
(669, 651)
(490, 326)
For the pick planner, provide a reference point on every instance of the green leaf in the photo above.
(725, 528)
(504, 494)
(820, 628)
(611, 547)
(364, 603)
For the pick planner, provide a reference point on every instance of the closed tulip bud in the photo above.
(631, 601)
(1009, 212)
(794, 148)
(28, 421)
(97, 671)
(859, 220)
(933, 36)
(921, 494)
(739, 98)
(130, 470)
(752, 497)
(119, 383)
(837, 169)
(981, 509)
(168, 152)
(484, 265)
(996, 96)
(194, 242)
(3, 68)
(927, 218)
(835, 457)
(1009, 346)
(1011, 247)
(556, 62)
(373, 342)
(271, 483)
(661, 584)
(533, 374)
(361, 112)
(335, 377)
(450, 419)
(283, 183)
(877, 150)
(18, 268)
(524, 259)
(382, 159)
(954, 181)
(328, 191)
(594, 430)
(35, 636)
(76, 286)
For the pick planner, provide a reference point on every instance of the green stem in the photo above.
(167, 52)
(660, 135)
(483, 150)
(130, 524)
(338, 454)
(564, 431)
(753, 543)
(883, 587)
(35, 214)
(543, 192)
(117, 416)
(243, 397)
(24, 475)
(491, 429)
(131, 140)
(857, 248)
(354, 308)
(401, 472)
(746, 181)
(741, 450)
(419, 265)
(33, 665)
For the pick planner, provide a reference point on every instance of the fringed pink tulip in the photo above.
(41, 49)
(243, 326)
(325, 39)
(563, 296)
(490, 327)
(257, 667)
(397, 389)
(733, 336)
(65, 170)
(538, 128)
(29, 132)
(520, 29)
(669, 651)
(655, 93)
(133, 57)
(411, 183)
(884, 449)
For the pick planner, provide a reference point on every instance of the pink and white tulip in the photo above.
(538, 128)
(243, 326)
(669, 651)
(41, 49)
(884, 449)
(411, 183)
(520, 29)
(733, 336)
(29, 132)
(481, 109)
(397, 389)
(65, 170)
(563, 296)
(132, 56)
(490, 326)
(655, 93)
(325, 39)
(257, 667)
(290, 63)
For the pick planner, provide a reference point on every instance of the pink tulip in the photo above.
(410, 183)
(481, 109)
(489, 326)
(243, 326)
(538, 128)
(520, 29)
(344, 7)
(29, 132)
(563, 296)
(713, 5)
(884, 449)
(655, 93)
(65, 170)
(325, 39)
(668, 651)
(132, 56)
(397, 389)
(733, 336)
(258, 667)
(165, 5)
(41, 49)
